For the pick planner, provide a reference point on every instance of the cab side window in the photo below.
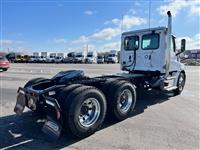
(150, 41)
(131, 43)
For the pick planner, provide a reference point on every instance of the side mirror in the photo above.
(183, 42)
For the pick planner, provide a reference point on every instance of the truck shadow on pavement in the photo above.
(24, 132)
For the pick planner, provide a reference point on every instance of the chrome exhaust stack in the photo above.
(169, 33)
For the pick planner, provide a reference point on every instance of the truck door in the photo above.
(150, 51)
(174, 64)
(129, 45)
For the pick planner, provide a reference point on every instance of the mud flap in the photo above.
(52, 129)
(21, 102)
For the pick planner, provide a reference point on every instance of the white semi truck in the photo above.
(91, 57)
(79, 103)
(59, 57)
(112, 57)
(70, 57)
(43, 57)
(80, 57)
(51, 58)
(35, 57)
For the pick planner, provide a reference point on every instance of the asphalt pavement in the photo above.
(161, 121)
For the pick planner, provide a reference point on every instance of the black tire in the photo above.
(78, 97)
(180, 85)
(106, 85)
(65, 92)
(5, 69)
(114, 98)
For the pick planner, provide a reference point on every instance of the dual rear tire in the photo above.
(84, 110)
(121, 98)
(85, 107)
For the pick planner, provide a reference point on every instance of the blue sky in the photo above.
(69, 25)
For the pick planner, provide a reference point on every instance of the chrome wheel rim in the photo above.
(89, 112)
(125, 101)
(181, 83)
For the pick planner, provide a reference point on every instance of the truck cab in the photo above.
(43, 57)
(100, 59)
(69, 58)
(152, 51)
(112, 57)
(51, 58)
(150, 46)
(80, 57)
(91, 57)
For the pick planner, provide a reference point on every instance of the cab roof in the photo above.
(144, 30)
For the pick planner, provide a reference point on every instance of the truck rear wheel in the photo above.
(86, 112)
(65, 92)
(121, 99)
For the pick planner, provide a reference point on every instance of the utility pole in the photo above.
(87, 48)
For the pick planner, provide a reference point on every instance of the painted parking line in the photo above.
(15, 145)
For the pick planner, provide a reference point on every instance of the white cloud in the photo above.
(111, 46)
(136, 3)
(59, 40)
(10, 42)
(19, 42)
(128, 21)
(6, 42)
(191, 42)
(89, 12)
(195, 10)
(131, 11)
(80, 40)
(175, 6)
(107, 33)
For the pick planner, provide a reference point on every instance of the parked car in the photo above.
(4, 64)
